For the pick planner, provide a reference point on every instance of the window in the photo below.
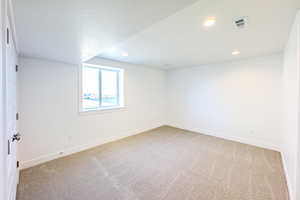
(102, 87)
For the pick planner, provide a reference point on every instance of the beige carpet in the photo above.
(162, 164)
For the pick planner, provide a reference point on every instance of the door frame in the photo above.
(2, 135)
(6, 13)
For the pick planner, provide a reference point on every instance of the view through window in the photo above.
(101, 87)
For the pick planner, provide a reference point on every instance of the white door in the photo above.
(11, 114)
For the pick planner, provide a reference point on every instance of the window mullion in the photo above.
(118, 88)
(100, 88)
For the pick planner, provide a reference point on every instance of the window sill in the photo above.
(102, 110)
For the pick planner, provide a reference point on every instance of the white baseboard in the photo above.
(233, 138)
(66, 152)
(69, 151)
(289, 185)
(12, 189)
(251, 142)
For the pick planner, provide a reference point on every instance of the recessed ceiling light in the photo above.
(235, 52)
(125, 54)
(210, 21)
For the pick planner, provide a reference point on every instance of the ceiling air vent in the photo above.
(241, 22)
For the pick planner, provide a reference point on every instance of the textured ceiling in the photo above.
(181, 40)
(72, 30)
(163, 34)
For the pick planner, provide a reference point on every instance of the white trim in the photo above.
(101, 110)
(254, 143)
(72, 150)
(66, 152)
(11, 19)
(288, 182)
(102, 67)
(3, 149)
(7, 21)
(4, 190)
(297, 172)
(15, 180)
(231, 137)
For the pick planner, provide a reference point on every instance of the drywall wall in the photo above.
(49, 118)
(238, 100)
(291, 80)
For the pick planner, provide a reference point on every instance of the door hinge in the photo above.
(18, 164)
(17, 116)
(8, 147)
(7, 36)
(17, 68)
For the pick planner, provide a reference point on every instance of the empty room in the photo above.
(150, 100)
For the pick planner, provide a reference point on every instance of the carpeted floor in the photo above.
(162, 164)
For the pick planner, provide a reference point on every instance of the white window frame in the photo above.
(120, 85)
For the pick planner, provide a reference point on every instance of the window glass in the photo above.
(90, 88)
(109, 84)
(101, 87)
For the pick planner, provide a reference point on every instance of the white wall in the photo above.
(237, 100)
(290, 139)
(49, 119)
